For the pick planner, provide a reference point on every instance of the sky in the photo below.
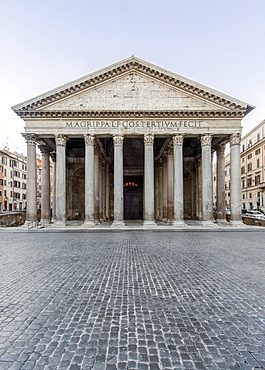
(45, 44)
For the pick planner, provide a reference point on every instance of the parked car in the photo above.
(255, 214)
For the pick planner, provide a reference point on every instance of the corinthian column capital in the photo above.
(89, 139)
(61, 140)
(178, 139)
(206, 140)
(235, 139)
(30, 138)
(118, 140)
(148, 139)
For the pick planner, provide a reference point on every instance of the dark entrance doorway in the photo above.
(133, 197)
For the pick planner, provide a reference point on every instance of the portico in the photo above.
(133, 141)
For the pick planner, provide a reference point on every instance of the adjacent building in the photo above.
(132, 141)
(13, 181)
(252, 159)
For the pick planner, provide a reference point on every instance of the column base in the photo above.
(149, 223)
(58, 223)
(237, 223)
(179, 223)
(29, 224)
(45, 221)
(222, 221)
(88, 224)
(208, 223)
(118, 224)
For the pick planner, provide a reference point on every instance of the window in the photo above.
(5, 172)
(243, 147)
(11, 174)
(249, 182)
(243, 160)
(242, 170)
(257, 179)
(258, 161)
(1, 169)
(243, 184)
(258, 137)
(250, 156)
(1, 182)
(258, 194)
(1, 193)
(243, 197)
(257, 151)
(249, 143)
(249, 167)
(250, 195)
(24, 185)
(11, 193)
(5, 193)
(23, 196)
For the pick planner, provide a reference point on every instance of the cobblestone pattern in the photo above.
(131, 300)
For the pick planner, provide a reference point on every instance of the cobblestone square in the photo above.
(132, 300)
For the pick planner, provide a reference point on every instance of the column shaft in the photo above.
(207, 195)
(118, 180)
(31, 213)
(45, 187)
(170, 183)
(89, 181)
(61, 180)
(220, 182)
(165, 187)
(149, 205)
(235, 179)
(178, 181)
(96, 177)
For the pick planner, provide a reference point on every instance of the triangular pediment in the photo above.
(132, 85)
(132, 91)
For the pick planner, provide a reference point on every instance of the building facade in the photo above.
(132, 141)
(13, 181)
(252, 159)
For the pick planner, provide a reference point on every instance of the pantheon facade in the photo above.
(132, 142)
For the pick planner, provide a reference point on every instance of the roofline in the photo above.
(140, 61)
(255, 128)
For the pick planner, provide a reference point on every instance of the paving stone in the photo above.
(132, 300)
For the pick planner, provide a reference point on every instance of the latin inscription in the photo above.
(133, 124)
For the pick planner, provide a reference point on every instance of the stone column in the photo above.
(118, 181)
(235, 180)
(170, 183)
(96, 177)
(31, 213)
(45, 187)
(199, 188)
(207, 192)
(104, 190)
(220, 182)
(178, 181)
(60, 219)
(107, 193)
(100, 188)
(53, 157)
(89, 181)
(161, 191)
(165, 187)
(149, 191)
(156, 190)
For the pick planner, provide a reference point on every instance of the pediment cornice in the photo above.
(124, 67)
(130, 114)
